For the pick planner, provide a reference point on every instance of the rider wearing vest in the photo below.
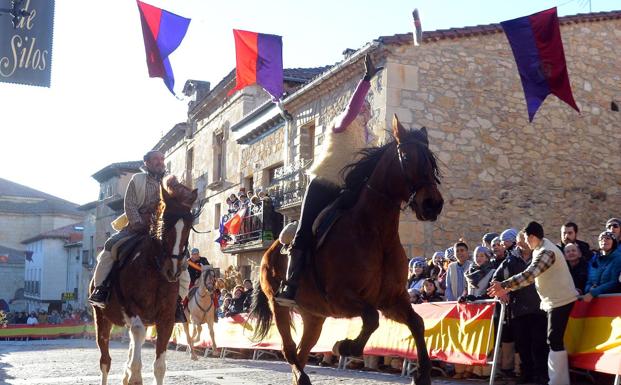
(345, 137)
(142, 199)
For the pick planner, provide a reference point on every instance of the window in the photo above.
(189, 165)
(219, 157)
(244, 271)
(307, 141)
(248, 184)
(216, 216)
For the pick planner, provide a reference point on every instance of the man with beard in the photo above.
(569, 234)
(142, 198)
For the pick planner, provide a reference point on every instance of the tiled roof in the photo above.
(300, 75)
(303, 74)
(114, 168)
(68, 232)
(455, 33)
(16, 198)
(173, 136)
(10, 255)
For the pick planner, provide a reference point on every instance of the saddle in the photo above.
(121, 251)
(331, 214)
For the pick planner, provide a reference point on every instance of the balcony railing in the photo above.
(289, 184)
(259, 226)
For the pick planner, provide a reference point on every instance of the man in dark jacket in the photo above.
(569, 234)
(195, 267)
(528, 321)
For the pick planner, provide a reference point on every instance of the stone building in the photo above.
(12, 276)
(499, 170)
(24, 213)
(204, 153)
(53, 270)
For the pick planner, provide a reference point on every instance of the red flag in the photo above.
(233, 225)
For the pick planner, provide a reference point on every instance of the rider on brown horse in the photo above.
(347, 135)
(142, 199)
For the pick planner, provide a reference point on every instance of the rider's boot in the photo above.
(286, 294)
(179, 313)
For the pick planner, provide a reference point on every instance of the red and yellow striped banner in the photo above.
(454, 333)
(593, 336)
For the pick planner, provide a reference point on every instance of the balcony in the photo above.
(258, 229)
(288, 186)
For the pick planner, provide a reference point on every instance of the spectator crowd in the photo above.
(52, 317)
(464, 274)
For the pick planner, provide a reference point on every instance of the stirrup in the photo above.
(285, 302)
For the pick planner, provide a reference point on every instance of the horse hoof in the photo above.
(421, 380)
(300, 378)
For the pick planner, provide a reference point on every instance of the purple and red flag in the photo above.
(163, 32)
(538, 51)
(259, 61)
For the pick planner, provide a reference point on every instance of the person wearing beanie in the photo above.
(417, 274)
(550, 273)
(488, 238)
(604, 268)
(437, 272)
(614, 225)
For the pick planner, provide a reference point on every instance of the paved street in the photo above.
(76, 362)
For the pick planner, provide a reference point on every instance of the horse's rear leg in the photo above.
(282, 318)
(102, 331)
(402, 312)
(354, 348)
(164, 330)
(310, 336)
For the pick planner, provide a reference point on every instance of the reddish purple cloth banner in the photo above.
(540, 58)
(163, 32)
(259, 61)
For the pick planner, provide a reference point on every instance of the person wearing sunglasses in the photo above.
(604, 268)
(614, 226)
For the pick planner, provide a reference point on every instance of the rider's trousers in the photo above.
(104, 265)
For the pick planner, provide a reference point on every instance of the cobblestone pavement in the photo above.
(77, 362)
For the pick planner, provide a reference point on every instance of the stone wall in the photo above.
(18, 227)
(11, 279)
(500, 170)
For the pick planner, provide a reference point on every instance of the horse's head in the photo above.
(177, 222)
(419, 170)
(208, 279)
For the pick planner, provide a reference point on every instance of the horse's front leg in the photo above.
(133, 371)
(402, 312)
(164, 330)
(189, 337)
(103, 341)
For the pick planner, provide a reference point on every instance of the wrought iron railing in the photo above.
(259, 225)
(289, 184)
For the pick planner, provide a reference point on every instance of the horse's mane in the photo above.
(357, 173)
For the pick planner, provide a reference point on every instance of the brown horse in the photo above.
(361, 267)
(145, 291)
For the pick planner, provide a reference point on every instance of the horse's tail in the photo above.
(264, 290)
(261, 312)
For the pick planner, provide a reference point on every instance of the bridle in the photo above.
(412, 187)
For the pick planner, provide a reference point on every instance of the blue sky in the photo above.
(102, 107)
